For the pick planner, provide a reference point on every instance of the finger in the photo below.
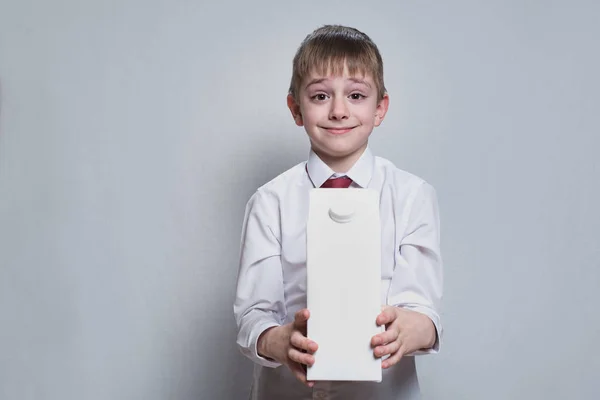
(387, 316)
(393, 359)
(300, 374)
(300, 318)
(300, 357)
(299, 341)
(298, 371)
(391, 348)
(386, 337)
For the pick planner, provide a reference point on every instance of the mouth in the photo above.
(338, 131)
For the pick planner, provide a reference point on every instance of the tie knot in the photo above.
(342, 182)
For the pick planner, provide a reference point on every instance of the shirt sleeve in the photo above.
(259, 302)
(417, 281)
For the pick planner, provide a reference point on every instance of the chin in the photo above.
(340, 151)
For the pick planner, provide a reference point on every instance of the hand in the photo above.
(406, 331)
(288, 345)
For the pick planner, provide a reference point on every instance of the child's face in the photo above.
(338, 114)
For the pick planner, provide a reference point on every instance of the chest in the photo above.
(294, 217)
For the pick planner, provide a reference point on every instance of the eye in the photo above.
(357, 96)
(319, 97)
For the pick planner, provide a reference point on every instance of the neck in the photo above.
(342, 164)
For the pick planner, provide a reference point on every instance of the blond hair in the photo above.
(332, 48)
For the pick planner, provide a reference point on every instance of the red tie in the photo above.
(342, 182)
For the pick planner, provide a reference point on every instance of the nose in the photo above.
(339, 110)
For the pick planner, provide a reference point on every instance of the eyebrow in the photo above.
(314, 82)
(360, 81)
(321, 80)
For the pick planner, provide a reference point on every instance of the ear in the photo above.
(295, 110)
(381, 109)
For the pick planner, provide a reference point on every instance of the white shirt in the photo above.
(271, 283)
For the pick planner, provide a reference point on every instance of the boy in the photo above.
(337, 94)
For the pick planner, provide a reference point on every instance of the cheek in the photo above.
(366, 117)
(311, 115)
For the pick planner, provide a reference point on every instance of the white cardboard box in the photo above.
(344, 283)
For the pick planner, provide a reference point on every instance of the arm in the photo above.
(412, 320)
(417, 283)
(259, 307)
(259, 303)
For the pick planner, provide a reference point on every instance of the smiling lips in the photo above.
(338, 131)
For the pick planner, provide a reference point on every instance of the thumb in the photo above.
(301, 317)
(388, 315)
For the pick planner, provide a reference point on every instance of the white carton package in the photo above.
(343, 252)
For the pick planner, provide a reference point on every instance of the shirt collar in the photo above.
(360, 173)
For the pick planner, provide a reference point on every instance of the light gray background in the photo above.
(133, 133)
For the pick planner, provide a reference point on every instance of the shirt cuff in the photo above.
(436, 323)
(257, 331)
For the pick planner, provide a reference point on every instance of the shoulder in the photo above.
(400, 179)
(282, 182)
(264, 206)
(272, 191)
(412, 198)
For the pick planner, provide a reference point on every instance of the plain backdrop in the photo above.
(133, 132)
